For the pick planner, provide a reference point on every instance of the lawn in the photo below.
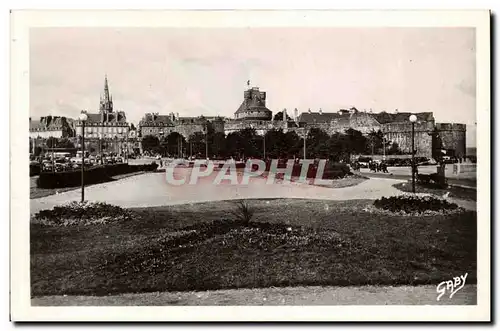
(290, 242)
(454, 191)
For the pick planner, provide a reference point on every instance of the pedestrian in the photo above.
(384, 167)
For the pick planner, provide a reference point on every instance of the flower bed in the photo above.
(412, 204)
(78, 213)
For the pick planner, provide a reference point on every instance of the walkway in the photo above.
(311, 295)
(152, 189)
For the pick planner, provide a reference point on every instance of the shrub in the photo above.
(244, 212)
(78, 213)
(332, 170)
(413, 204)
(34, 169)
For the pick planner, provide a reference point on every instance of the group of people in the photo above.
(373, 166)
(378, 166)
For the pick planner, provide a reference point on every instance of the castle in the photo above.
(253, 113)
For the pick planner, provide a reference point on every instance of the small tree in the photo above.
(51, 142)
(394, 149)
(279, 116)
(150, 143)
(65, 143)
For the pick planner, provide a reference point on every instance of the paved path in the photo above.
(311, 295)
(152, 189)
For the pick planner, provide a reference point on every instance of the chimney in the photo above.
(320, 111)
(284, 114)
(309, 110)
(296, 114)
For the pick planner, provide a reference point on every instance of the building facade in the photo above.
(51, 126)
(107, 130)
(107, 124)
(160, 126)
(430, 137)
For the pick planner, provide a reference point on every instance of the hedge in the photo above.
(332, 170)
(35, 169)
(92, 175)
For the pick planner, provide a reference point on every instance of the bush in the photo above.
(243, 212)
(332, 170)
(35, 169)
(78, 213)
(413, 204)
(92, 175)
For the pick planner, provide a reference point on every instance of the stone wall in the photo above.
(259, 125)
(186, 130)
(452, 136)
(400, 133)
(157, 131)
(359, 121)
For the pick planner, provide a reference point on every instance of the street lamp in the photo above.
(264, 139)
(305, 137)
(206, 140)
(413, 119)
(83, 118)
(100, 148)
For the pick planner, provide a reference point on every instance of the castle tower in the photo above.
(253, 106)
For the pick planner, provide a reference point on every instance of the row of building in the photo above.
(111, 125)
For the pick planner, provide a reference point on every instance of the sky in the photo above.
(205, 71)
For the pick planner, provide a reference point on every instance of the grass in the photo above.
(309, 242)
(454, 192)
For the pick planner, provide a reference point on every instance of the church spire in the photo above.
(106, 104)
(106, 88)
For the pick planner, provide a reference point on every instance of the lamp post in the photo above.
(383, 144)
(305, 137)
(100, 148)
(206, 140)
(127, 144)
(264, 139)
(413, 119)
(83, 117)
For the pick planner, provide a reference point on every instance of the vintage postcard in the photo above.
(250, 166)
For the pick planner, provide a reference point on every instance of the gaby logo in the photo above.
(241, 174)
(451, 286)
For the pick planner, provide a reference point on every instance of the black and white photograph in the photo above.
(269, 165)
